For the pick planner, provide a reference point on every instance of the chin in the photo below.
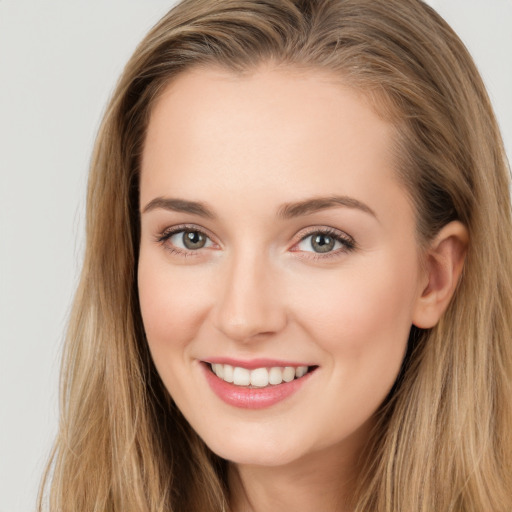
(256, 452)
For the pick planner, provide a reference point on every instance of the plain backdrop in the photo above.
(59, 60)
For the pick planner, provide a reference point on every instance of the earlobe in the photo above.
(444, 261)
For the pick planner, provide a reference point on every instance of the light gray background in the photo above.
(59, 60)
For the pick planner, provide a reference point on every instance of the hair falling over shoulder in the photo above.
(444, 439)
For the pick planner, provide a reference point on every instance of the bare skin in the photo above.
(305, 251)
(317, 482)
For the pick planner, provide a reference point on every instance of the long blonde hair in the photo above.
(444, 440)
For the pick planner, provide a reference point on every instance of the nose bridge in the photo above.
(249, 302)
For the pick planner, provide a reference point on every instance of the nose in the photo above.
(250, 305)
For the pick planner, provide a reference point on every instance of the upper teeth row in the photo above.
(259, 377)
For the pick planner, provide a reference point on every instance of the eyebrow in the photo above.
(179, 205)
(316, 204)
(286, 211)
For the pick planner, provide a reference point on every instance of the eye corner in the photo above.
(172, 239)
(338, 242)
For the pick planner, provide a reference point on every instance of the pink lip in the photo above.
(254, 363)
(253, 398)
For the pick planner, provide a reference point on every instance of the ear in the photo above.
(444, 260)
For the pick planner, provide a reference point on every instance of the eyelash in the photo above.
(165, 235)
(347, 242)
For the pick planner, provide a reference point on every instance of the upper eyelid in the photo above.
(172, 230)
(303, 233)
(343, 235)
(163, 238)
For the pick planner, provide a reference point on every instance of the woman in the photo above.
(296, 292)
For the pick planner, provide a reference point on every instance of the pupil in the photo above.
(193, 240)
(322, 243)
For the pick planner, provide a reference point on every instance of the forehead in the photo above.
(205, 99)
(281, 132)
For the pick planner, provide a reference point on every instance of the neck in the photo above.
(322, 481)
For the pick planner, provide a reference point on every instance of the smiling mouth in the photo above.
(259, 377)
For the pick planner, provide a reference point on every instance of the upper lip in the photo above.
(254, 363)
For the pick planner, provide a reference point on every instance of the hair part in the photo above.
(443, 440)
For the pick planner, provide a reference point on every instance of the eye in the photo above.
(185, 240)
(190, 240)
(325, 241)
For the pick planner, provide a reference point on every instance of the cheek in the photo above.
(362, 325)
(172, 307)
(363, 311)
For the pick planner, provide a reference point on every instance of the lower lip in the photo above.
(252, 398)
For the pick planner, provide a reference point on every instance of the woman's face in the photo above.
(276, 239)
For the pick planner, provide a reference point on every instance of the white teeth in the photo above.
(300, 371)
(218, 369)
(288, 373)
(227, 373)
(241, 376)
(275, 375)
(259, 377)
